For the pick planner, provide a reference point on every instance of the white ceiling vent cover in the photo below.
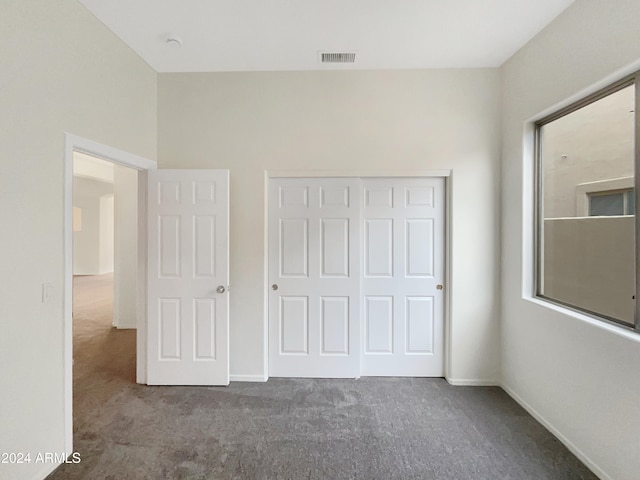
(337, 57)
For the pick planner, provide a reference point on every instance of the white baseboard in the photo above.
(472, 382)
(248, 378)
(565, 441)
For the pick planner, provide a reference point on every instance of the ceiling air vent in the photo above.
(337, 57)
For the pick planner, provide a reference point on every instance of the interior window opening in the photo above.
(586, 227)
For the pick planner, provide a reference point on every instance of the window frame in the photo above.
(624, 195)
(538, 191)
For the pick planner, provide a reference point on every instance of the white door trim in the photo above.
(447, 174)
(356, 173)
(74, 143)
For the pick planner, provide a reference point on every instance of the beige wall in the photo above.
(62, 70)
(575, 375)
(366, 121)
(592, 144)
(589, 262)
(106, 234)
(93, 244)
(126, 244)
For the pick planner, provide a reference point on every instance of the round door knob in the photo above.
(274, 286)
(220, 289)
(439, 287)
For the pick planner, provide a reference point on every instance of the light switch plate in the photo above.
(47, 291)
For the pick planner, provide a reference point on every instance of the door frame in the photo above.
(74, 143)
(447, 174)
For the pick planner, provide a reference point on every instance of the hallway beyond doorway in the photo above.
(104, 357)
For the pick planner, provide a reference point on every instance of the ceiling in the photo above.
(258, 35)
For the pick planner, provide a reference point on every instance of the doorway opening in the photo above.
(105, 218)
(104, 268)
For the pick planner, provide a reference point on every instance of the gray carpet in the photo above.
(372, 428)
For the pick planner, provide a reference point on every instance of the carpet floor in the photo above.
(289, 429)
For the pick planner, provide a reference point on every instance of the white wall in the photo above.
(365, 120)
(126, 243)
(578, 376)
(93, 244)
(62, 70)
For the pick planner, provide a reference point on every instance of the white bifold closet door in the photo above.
(314, 308)
(403, 253)
(355, 267)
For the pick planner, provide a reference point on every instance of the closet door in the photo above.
(314, 277)
(403, 276)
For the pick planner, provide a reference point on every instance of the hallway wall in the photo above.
(126, 247)
(93, 242)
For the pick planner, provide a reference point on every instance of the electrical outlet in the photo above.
(47, 292)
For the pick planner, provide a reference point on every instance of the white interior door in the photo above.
(188, 276)
(403, 248)
(314, 271)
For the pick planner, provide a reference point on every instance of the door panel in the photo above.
(294, 247)
(204, 255)
(404, 264)
(335, 325)
(205, 327)
(170, 328)
(313, 261)
(356, 264)
(378, 325)
(335, 247)
(187, 334)
(169, 246)
(378, 247)
(419, 247)
(294, 325)
(419, 324)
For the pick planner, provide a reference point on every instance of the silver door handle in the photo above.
(274, 286)
(220, 289)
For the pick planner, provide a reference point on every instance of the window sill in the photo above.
(602, 324)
